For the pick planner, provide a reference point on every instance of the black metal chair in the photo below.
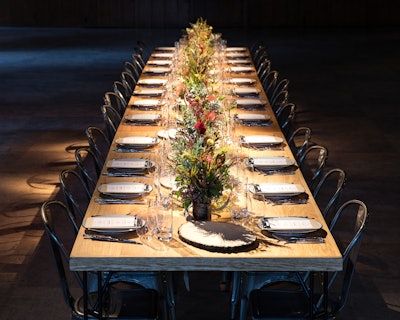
(285, 295)
(285, 117)
(299, 141)
(269, 82)
(98, 142)
(121, 88)
(76, 193)
(328, 191)
(89, 167)
(121, 300)
(312, 163)
(112, 120)
(279, 101)
(129, 80)
(132, 69)
(117, 101)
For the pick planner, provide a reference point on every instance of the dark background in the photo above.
(219, 13)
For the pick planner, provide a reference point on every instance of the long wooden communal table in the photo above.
(176, 255)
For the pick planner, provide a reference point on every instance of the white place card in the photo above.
(250, 102)
(113, 222)
(137, 140)
(290, 224)
(127, 163)
(157, 69)
(152, 81)
(246, 90)
(146, 91)
(271, 161)
(160, 62)
(241, 69)
(120, 187)
(147, 102)
(162, 55)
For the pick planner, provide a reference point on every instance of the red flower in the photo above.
(200, 126)
(211, 116)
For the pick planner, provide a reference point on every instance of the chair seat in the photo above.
(281, 303)
(124, 302)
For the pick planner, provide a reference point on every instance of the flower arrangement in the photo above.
(201, 162)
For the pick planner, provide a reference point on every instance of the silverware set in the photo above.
(102, 237)
(298, 239)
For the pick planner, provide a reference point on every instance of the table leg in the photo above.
(311, 307)
(85, 296)
(100, 294)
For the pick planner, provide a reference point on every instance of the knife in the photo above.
(108, 238)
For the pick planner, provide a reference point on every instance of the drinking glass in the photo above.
(162, 210)
(146, 233)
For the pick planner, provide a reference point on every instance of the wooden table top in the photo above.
(176, 255)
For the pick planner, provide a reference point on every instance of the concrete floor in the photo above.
(345, 83)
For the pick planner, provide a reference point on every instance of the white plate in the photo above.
(241, 69)
(230, 49)
(272, 162)
(137, 142)
(252, 117)
(261, 140)
(157, 70)
(129, 163)
(289, 225)
(276, 189)
(162, 55)
(124, 189)
(165, 134)
(168, 182)
(143, 117)
(148, 92)
(250, 102)
(246, 90)
(113, 223)
(159, 62)
(242, 81)
(153, 82)
(148, 103)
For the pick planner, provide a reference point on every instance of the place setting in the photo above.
(240, 62)
(279, 193)
(135, 144)
(250, 103)
(128, 167)
(241, 69)
(152, 82)
(157, 70)
(123, 192)
(147, 104)
(249, 92)
(262, 142)
(293, 229)
(112, 227)
(159, 62)
(148, 92)
(143, 119)
(252, 119)
(242, 81)
(269, 165)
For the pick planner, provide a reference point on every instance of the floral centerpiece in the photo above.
(201, 162)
